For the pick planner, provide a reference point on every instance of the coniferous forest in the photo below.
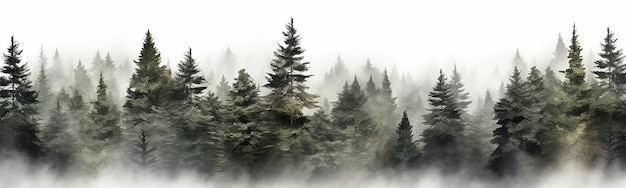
(152, 117)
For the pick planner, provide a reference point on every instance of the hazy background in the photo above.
(411, 34)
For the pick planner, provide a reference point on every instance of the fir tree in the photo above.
(515, 129)
(576, 104)
(610, 69)
(479, 132)
(197, 141)
(248, 142)
(609, 110)
(222, 89)
(560, 54)
(143, 153)
(58, 140)
(82, 80)
(188, 81)
(42, 85)
(442, 138)
(327, 145)
(19, 122)
(288, 95)
(458, 92)
(404, 151)
(357, 128)
(385, 114)
(97, 64)
(370, 89)
(518, 62)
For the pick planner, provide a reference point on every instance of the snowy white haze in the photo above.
(412, 37)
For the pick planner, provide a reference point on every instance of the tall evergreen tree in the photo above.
(248, 143)
(404, 151)
(609, 109)
(222, 89)
(385, 114)
(458, 92)
(560, 55)
(197, 143)
(516, 132)
(576, 104)
(479, 133)
(97, 64)
(288, 95)
(59, 142)
(42, 85)
(18, 120)
(143, 153)
(147, 95)
(82, 80)
(518, 62)
(442, 139)
(357, 128)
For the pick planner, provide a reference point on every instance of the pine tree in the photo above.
(479, 133)
(58, 140)
(518, 62)
(576, 104)
(188, 81)
(370, 90)
(248, 143)
(609, 111)
(560, 54)
(197, 143)
(222, 89)
(610, 69)
(143, 153)
(327, 145)
(516, 129)
(288, 95)
(442, 139)
(42, 85)
(97, 64)
(458, 92)
(19, 122)
(357, 128)
(82, 80)
(147, 96)
(404, 151)
(58, 72)
(385, 115)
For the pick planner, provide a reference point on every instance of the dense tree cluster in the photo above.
(171, 120)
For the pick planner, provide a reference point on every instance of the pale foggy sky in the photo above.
(411, 34)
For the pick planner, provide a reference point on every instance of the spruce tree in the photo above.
(222, 89)
(59, 142)
(385, 115)
(443, 137)
(18, 121)
(609, 109)
(327, 145)
(196, 145)
(404, 151)
(458, 92)
(82, 80)
(516, 130)
(248, 143)
(357, 128)
(518, 62)
(42, 85)
(97, 64)
(142, 154)
(479, 130)
(577, 106)
(560, 54)
(288, 95)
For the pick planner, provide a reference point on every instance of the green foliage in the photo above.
(143, 153)
(357, 129)
(42, 85)
(249, 144)
(404, 153)
(458, 91)
(82, 80)
(19, 101)
(222, 89)
(59, 141)
(442, 138)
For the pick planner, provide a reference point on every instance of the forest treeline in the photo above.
(171, 122)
